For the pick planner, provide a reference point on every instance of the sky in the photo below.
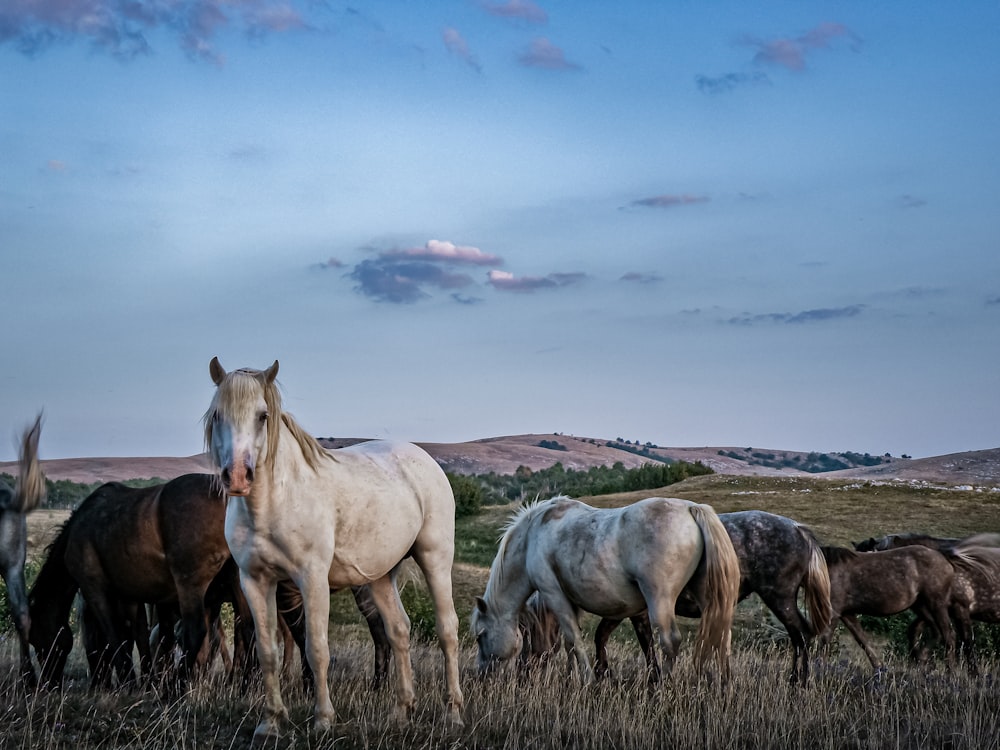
(755, 224)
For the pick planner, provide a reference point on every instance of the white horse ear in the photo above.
(481, 605)
(271, 373)
(217, 371)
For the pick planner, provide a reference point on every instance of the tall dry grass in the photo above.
(845, 706)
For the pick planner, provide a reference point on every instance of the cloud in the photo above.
(806, 316)
(445, 252)
(669, 201)
(911, 201)
(119, 27)
(403, 282)
(519, 10)
(641, 278)
(726, 83)
(56, 165)
(508, 282)
(542, 53)
(456, 44)
(993, 301)
(791, 53)
(328, 264)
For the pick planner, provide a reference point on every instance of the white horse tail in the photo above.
(29, 491)
(816, 588)
(722, 589)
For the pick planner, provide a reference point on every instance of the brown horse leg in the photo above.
(383, 650)
(938, 614)
(601, 635)
(914, 635)
(852, 624)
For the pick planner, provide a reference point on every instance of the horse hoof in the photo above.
(323, 724)
(265, 735)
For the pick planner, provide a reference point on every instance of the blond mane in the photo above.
(239, 389)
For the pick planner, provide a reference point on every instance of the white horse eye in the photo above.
(262, 417)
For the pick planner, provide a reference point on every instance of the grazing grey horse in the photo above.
(778, 557)
(15, 504)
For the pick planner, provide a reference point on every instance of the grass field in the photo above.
(845, 706)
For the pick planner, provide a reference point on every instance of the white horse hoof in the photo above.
(265, 735)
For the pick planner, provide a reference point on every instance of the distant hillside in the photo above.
(504, 454)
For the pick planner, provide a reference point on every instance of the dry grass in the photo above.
(844, 707)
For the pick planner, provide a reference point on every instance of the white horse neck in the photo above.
(509, 585)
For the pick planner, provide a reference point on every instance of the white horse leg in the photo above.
(260, 596)
(437, 572)
(397, 630)
(316, 605)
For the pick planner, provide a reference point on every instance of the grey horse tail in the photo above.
(816, 587)
(29, 492)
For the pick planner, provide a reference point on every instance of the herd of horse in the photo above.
(283, 522)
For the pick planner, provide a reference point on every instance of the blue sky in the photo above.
(754, 224)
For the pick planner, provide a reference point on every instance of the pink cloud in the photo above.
(119, 27)
(543, 54)
(508, 282)
(448, 252)
(791, 53)
(522, 10)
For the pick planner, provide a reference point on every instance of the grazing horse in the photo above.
(976, 588)
(613, 563)
(778, 557)
(326, 520)
(15, 504)
(886, 583)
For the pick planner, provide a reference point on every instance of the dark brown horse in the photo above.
(976, 587)
(123, 547)
(886, 583)
(777, 556)
(15, 504)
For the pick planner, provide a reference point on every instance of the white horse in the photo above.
(328, 520)
(613, 563)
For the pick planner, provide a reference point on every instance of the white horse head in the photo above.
(241, 424)
(498, 636)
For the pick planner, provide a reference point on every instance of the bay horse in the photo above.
(327, 520)
(125, 546)
(976, 587)
(886, 583)
(614, 563)
(778, 557)
(16, 503)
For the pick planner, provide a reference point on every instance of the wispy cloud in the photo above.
(669, 201)
(119, 27)
(542, 53)
(791, 52)
(518, 10)
(911, 201)
(806, 316)
(641, 278)
(729, 82)
(993, 301)
(508, 282)
(455, 43)
(447, 252)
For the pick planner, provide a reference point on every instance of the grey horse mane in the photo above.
(520, 517)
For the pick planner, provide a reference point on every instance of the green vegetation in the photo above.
(526, 483)
(64, 493)
(814, 463)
